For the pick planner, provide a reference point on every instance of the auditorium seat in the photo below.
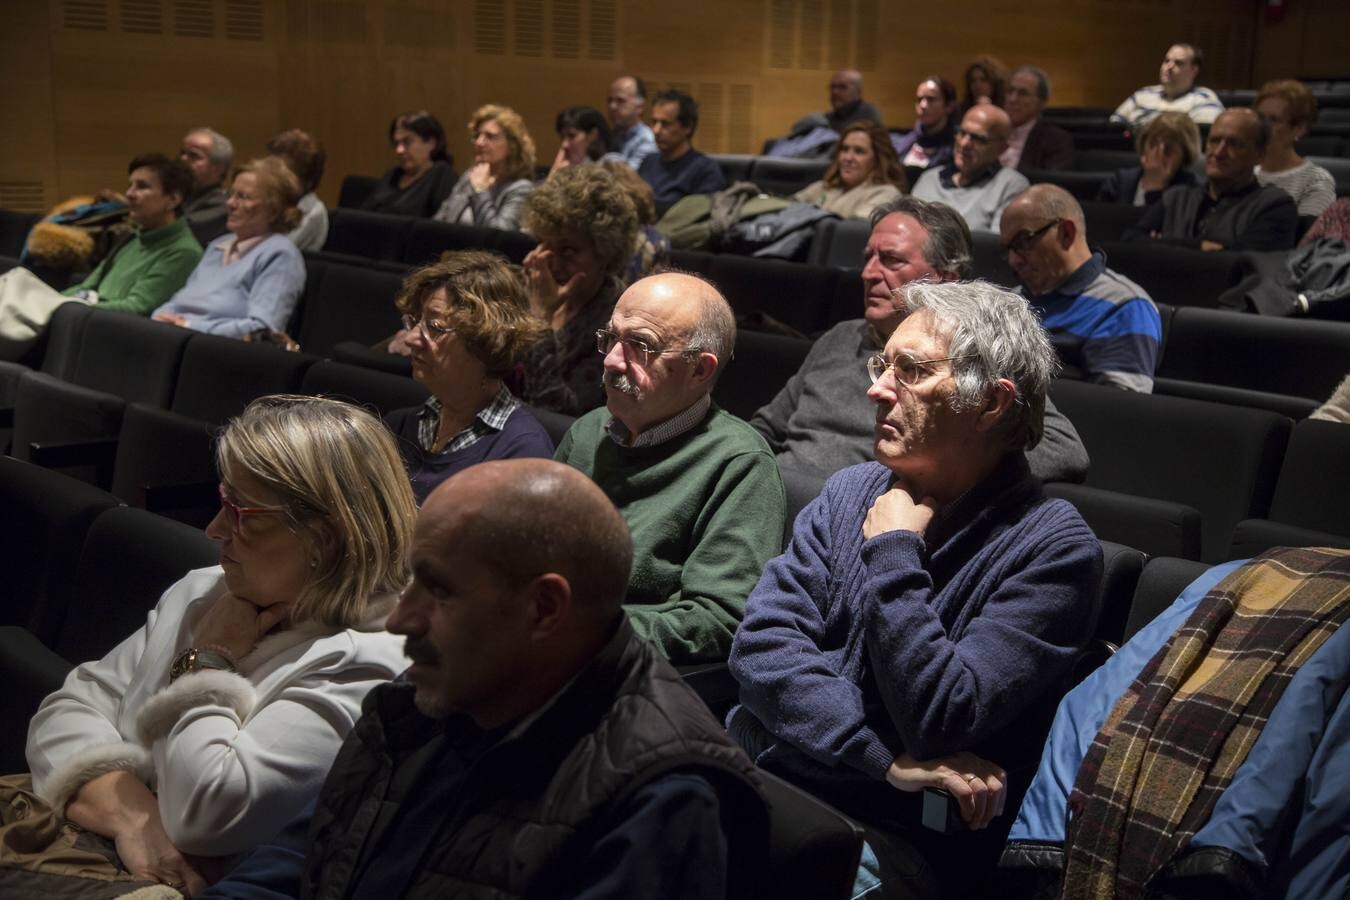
(1319, 145)
(1339, 169)
(1175, 275)
(355, 189)
(1313, 488)
(1156, 527)
(127, 561)
(346, 303)
(1108, 221)
(784, 177)
(428, 239)
(990, 264)
(800, 488)
(164, 462)
(793, 293)
(368, 234)
(1083, 185)
(847, 298)
(761, 365)
(735, 166)
(1121, 568)
(1221, 460)
(840, 243)
(1096, 160)
(358, 354)
(379, 392)
(1297, 358)
(813, 849)
(1252, 537)
(555, 423)
(14, 228)
(698, 262)
(220, 375)
(1160, 583)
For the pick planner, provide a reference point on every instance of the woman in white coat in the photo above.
(204, 732)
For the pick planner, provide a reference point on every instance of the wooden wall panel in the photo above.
(90, 82)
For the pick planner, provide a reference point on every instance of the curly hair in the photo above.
(278, 189)
(589, 202)
(996, 72)
(488, 307)
(886, 168)
(639, 191)
(520, 155)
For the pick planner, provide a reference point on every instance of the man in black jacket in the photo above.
(536, 746)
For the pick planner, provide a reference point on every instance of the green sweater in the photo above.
(705, 510)
(145, 271)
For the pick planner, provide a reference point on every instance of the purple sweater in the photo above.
(853, 651)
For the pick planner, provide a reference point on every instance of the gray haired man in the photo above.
(821, 421)
(208, 154)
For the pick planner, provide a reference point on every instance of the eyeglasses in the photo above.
(981, 139)
(637, 350)
(239, 514)
(430, 329)
(1024, 241)
(908, 370)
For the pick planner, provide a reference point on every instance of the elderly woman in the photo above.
(583, 135)
(306, 158)
(1289, 108)
(249, 280)
(1168, 146)
(204, 732)
(586, 225)
(468, 324)
(493, 191)
(864, 173)
(421, 181)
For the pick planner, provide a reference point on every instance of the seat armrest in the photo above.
(66, 454)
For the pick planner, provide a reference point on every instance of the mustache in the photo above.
(421, 651)
(620, 382)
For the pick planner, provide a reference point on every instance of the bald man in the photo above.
(698, 487)
(1232, 210)
(537, 746)
(1104, 327)
(846, 100)
(975, 183)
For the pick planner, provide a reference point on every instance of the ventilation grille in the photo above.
(1227, 44)
(342, 23)
(244, 20)
(194, 18)
(23, 196)
(85, 15)
(547, 29)
(726, 115)
(142, 16)
(822, 34)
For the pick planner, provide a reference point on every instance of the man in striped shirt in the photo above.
(1178, 92)
(1104, 327)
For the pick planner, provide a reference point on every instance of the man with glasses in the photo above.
(1033, 142)
(698, 487)
(1104, 327)
(821, 421)
(975, 183)
(930, 602)
(1232, 210)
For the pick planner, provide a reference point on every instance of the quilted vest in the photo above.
(535, 802)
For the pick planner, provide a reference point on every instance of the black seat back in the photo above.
(813, 848)
(355, 189)
(1176, 275)
(166, 463)
(368, 234)
(219, 376)
(1313, 489)
(793, 293)
(379, 392)
(113, 339)
(1108, 221)
(350, 303)
(735, 166)
(762, 364)
(1161, 582)
(14, 228)
(784, 177)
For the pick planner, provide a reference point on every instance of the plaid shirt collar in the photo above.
(490, 418)
(658, 434)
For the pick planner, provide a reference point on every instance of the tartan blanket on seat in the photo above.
(1174, 740)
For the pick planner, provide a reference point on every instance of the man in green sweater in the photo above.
(698, 487)
(148, 268)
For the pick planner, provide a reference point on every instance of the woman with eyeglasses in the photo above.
(493, 191)
(468, 326)
(248, 281)
(206, 731)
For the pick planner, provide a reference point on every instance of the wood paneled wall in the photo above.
(89, 83)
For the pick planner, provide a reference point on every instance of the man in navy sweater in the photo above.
(677, 170)
(931, 602)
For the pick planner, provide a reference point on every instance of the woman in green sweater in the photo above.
(144, 271)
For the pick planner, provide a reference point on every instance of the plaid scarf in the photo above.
(1174, 740)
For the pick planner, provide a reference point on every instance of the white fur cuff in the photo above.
(89, 764)
(214, 687)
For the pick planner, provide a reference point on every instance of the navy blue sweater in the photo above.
(854, 651)
(523, 436)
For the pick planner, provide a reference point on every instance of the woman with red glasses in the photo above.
(206, 731)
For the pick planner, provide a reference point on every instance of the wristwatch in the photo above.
(194, 659)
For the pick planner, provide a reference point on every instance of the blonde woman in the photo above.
(1168, 147)
(250, 279)
(492, 192)
(206, 731)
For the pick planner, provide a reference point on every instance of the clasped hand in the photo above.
(896, 510)
(235, 626)
(979, 786)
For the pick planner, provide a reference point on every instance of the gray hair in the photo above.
(1004, 338)
(222, 151)
(949, 248)
(715, 329)
(1042, 80)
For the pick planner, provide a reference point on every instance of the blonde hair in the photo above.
(486, 306)
(520, 146)
(337, 471)
(1172, 128)
(278, 189)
